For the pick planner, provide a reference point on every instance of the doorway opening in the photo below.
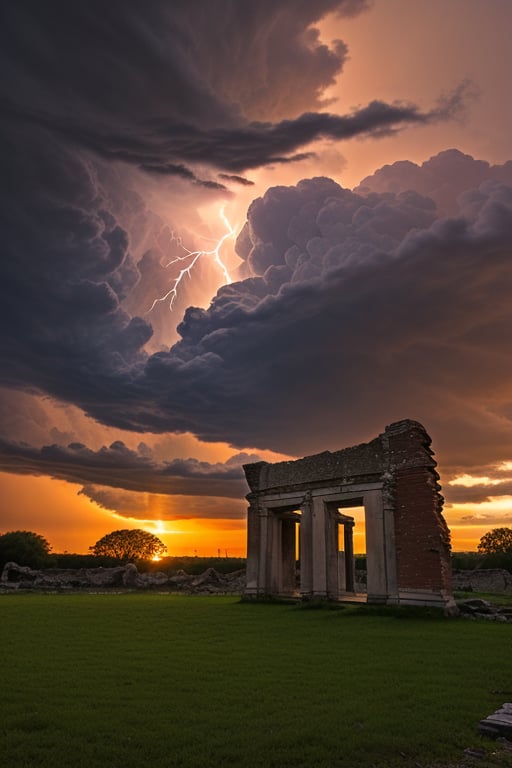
(289, 524)
(351, 548)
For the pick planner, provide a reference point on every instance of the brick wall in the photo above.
(422, 537)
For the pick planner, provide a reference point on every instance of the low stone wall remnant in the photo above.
(495, 580)
(18, 577)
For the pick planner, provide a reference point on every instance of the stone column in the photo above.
(348, 543)
(319, 548)
(288, 555)
(264, 552)
(306, 547)
(275, 557)
(342, 572)
(253, 548)
(377, 583)
(331, 553)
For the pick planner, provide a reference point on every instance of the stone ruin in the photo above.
(22, 578)
(300, 511)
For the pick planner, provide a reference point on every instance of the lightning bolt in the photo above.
(192, 257)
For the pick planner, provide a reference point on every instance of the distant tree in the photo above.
(497, 541)
(129, 545)
(24, 548)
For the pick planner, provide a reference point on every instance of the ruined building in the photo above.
(299, 515)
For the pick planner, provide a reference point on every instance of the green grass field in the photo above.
(134, 680)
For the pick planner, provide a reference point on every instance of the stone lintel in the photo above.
(348, 492)
(272, 500)
(402, 444)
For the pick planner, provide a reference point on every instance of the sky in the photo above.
(237, 231)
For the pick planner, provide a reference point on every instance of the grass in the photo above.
(500, 599)
(135, 680)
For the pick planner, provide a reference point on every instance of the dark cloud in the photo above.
(121, 467)
(486, 482)
(361, 309)
(476, 494)
(168, 169)
(249, 145)
(170, 87)
(142, 506)
(443, 178)
(65, 270)
(489, 520)
(356, 308)
(122, 62)
(150, 85)
(236, 179)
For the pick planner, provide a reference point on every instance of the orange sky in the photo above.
(411, 51)
(72, 523)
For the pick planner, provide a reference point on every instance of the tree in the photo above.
(24, 548)
(497, 541)
(129, 545)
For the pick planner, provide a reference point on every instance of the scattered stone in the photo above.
(210, 577)
(477, 754)
(499, 723)
(476, 604)
(475, 608)
(23, 577)
(210, 582)
(180, 578)
(17, 577)
(504, 743)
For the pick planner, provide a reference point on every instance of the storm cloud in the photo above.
(121, 467)
(149, 506)
(361, 309)
(171, 88)
(351, 308)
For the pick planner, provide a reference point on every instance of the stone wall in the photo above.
(124, 577)
(493, 580)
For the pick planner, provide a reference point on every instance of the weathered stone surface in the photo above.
(499, 724)
(394, 479)
(367, 460)
(22, 577)
(496, 580)
(13, 574)
(475, 608)
(17, 577)
(180, 578)
(210, 582)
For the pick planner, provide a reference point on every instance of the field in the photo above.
(133, 680)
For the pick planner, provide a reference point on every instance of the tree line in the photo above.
(119, 547)
(147, 550)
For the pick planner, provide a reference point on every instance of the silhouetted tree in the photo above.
(24, 548)
(497, 541)
(129, 545)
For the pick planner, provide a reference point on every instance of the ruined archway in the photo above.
(407, 540)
